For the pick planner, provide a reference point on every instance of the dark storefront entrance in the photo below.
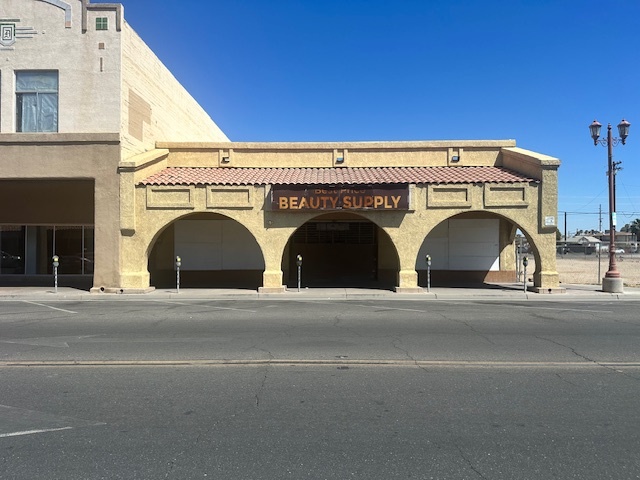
(341, 249)
(335, 253)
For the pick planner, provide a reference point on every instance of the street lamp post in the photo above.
(612, 281)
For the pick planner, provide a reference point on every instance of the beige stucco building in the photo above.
(107, 162)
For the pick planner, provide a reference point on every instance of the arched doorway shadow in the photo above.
(341, 250)
(216, 252)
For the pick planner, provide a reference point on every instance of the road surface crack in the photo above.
(473, 329)
(611, 368)
(396, 342)
(262, 386)
(337, 322)
(469, 463)
(565, 380)
(573, 350)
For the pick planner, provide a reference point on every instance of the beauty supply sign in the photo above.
(321, 197)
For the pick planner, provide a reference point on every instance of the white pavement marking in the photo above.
(205, 305)
(49, 306)
(15, 421)
(377, 307)
(364, 306)
(492, 303)
(31, 432)
(562, 309)
(59, 342)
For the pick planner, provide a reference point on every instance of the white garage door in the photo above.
(216, 245)
(463, 244)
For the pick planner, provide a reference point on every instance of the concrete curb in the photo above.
(494, 292)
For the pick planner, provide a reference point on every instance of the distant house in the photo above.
(621, 238)
(581, 244)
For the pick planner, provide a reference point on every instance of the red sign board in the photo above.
(356, 197)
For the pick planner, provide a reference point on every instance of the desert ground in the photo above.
(583, 269)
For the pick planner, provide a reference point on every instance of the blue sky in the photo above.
(537, 71)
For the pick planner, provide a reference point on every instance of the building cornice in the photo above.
(527, 156)
(58, 138)
(395, 145)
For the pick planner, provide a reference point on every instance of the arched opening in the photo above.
(341, 250)
(469, 249)
(216, 252)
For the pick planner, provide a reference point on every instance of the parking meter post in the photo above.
(525, 262)
(518, 254)
(299, 264)
(56, 263)
(428, 258)
(178, 265)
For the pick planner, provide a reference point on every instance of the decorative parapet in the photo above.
(527, 162)
(64, 6)
(130, 171)
(461, 153)
(221, 197)
(497, 195)
(449, 196)
(163, 197)
(543, 168)
(144, 164)
(100, 7)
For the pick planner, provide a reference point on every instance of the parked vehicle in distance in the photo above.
(619, 250)
(10, 263)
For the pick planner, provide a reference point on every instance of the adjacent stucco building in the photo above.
(106, 161)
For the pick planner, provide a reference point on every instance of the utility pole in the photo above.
(600, 219)
(564, 250)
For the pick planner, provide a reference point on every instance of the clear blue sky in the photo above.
(537, 71)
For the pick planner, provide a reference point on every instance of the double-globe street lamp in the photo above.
(612, 281)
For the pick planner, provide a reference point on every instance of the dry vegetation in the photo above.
(583, 269)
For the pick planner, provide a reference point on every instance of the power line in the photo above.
(598, 213)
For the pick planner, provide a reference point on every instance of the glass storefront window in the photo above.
(12, 248)
(29, 249)
(87, 251)
(68, 247)
(38, 249)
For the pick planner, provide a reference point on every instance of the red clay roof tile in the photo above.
(333, 176)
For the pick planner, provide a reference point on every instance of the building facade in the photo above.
(107, 162)
(79, 93)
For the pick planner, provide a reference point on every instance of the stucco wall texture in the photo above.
(123, 117)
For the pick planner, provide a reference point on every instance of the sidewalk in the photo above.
(510, 291)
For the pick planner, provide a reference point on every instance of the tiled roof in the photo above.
(333, 176)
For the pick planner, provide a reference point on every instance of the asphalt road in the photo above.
(335, 390)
